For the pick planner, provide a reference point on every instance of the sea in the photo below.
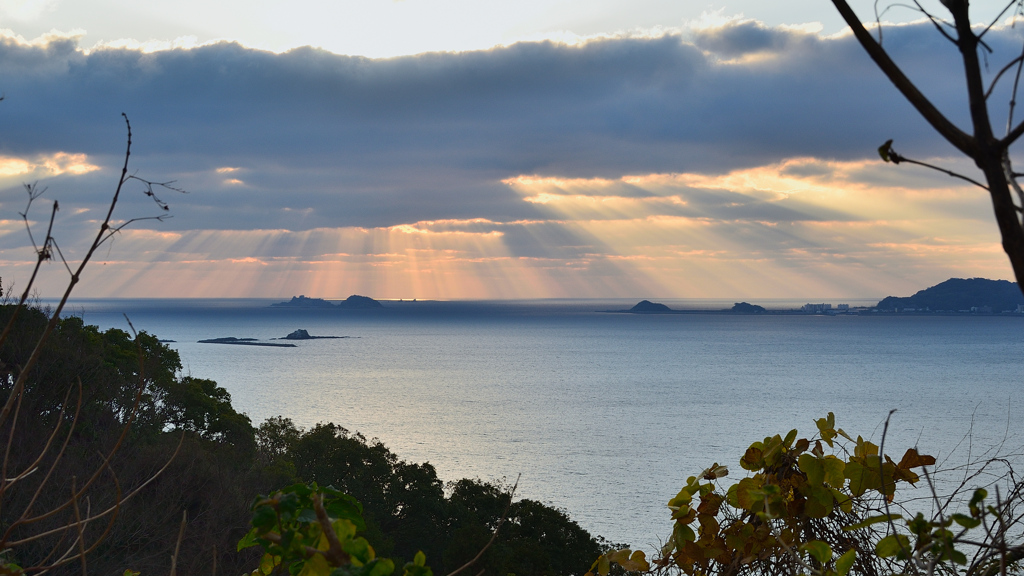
(604, 415)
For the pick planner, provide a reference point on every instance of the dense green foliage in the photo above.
(222, 463)
(312, 531)
(406, 509)
(827, 505)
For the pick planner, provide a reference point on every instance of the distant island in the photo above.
(243, 342)
(954, 296)
(747, 308)
(303, 302)
(301, 334)
(354, 302)
(960, 295)
(648, 307)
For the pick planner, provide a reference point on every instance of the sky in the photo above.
(444, 149)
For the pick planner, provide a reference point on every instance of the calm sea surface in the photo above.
(603, 415)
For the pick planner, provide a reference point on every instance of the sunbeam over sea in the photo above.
(603, 415)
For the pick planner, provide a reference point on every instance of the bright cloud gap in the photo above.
(689, 164)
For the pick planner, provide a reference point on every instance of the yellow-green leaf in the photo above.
(892, 545)
(684, 497)
(382, 567)
(680, 512)
(872, 520)
(812, 467)
(683, 534)
(343, 529)
(818, 550)
(819, 503)
(268, 563)
(247, 541)
(966, 521)
(844, 501)
(864, 448)
(316, 566)
(359, 550)
(790, 438)
(637, 562)
(833, 469)
(845, 562)
(747, 493)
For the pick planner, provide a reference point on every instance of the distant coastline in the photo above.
(954, 297)
(353, 302)
(243, 342)
(921, 303)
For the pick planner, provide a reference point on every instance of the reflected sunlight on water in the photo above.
(605, 415)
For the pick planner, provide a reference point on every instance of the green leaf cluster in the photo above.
(306, 530)
(222, 462)
(800, 509)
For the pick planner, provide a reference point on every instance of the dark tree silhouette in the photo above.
(991, 153)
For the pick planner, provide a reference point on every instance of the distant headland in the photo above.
(961, 295)
(354, 302)
(954, 296)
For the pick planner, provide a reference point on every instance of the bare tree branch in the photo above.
(890, 155)
(996, 19)
(999, 75)
(957, 137)
(494, 535)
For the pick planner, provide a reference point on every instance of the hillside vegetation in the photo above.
(223, 463)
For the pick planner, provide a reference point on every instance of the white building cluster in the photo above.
(824, 308)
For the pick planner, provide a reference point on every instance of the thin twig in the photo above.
(494, 536)
(999, 75)
(31, 280)
(109, 510)
(19, 384)
(81, 529)
(177, 545)
(996, 19)
(881, 475)
(897, 158)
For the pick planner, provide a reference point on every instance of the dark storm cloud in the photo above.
(326, 140)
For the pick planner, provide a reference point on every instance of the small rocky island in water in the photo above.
(648, 307)
(955, 296)
(746, 308)
(354, 302)
(301, 334)
(244, 342)
(303, 302)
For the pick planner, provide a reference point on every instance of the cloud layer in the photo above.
(520, 156)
